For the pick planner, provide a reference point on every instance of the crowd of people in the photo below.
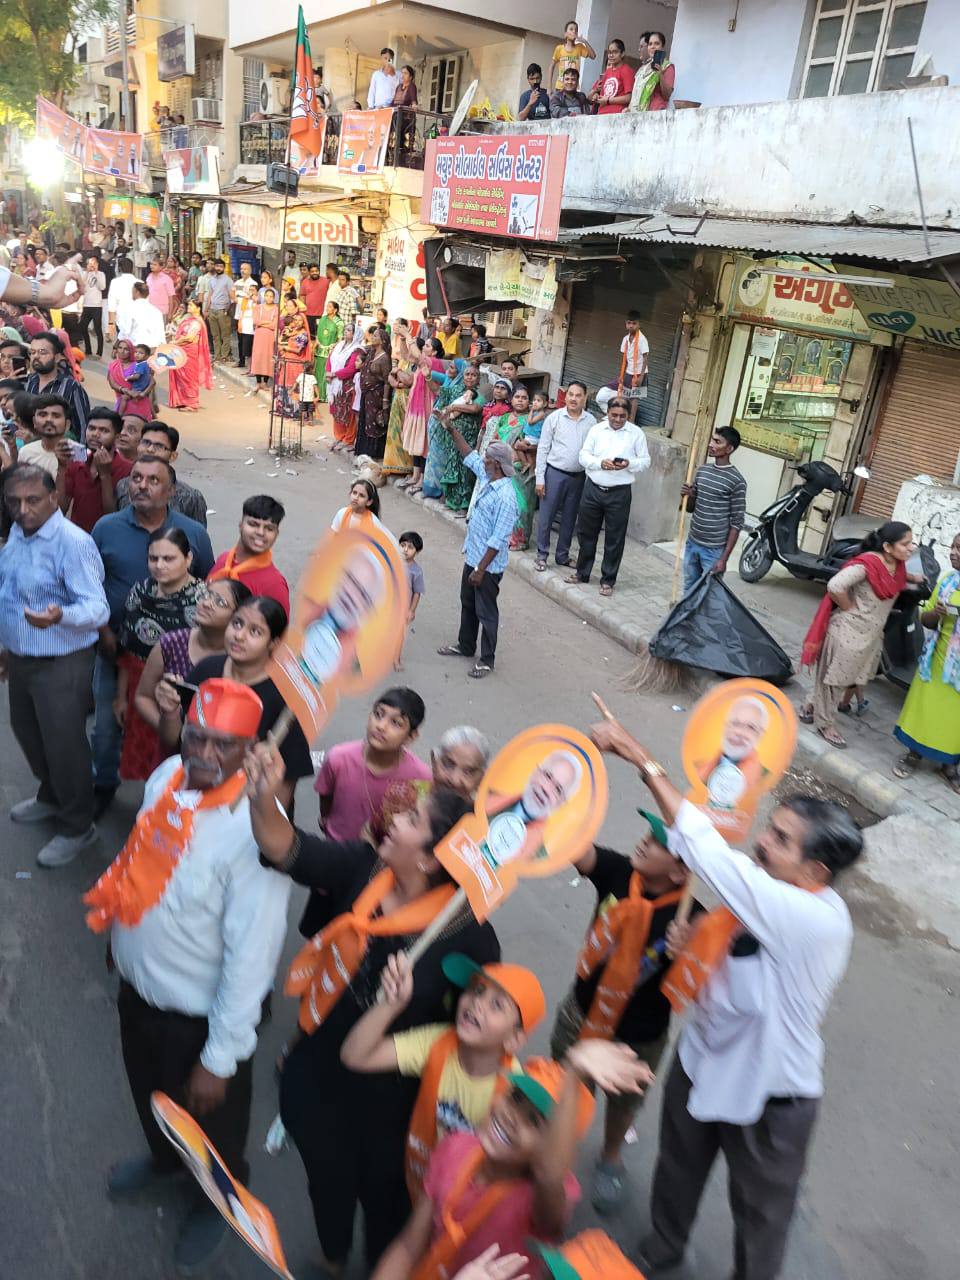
(618, 87)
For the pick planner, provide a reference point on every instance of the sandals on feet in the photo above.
(540, 565)
(575, 579)
(951, 777)
(831, 736)
(606, 589)
(479, 671)
(451, 651)
(906, 766)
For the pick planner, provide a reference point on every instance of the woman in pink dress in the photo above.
(266, 316)
(419, 408)
(131, 380)
(185, 383)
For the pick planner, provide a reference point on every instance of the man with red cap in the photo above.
(197, 924)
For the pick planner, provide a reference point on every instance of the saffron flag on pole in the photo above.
(306, 112)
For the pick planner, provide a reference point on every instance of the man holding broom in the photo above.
(762, 969)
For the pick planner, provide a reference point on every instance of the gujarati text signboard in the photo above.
(811, 301)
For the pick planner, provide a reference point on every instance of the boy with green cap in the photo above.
(616, 993)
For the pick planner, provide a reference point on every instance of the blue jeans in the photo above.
(697, 560)
(106, 739)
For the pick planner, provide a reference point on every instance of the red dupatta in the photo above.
(885, 586)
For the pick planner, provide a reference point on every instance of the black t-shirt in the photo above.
(293, 749)
(648, 1011)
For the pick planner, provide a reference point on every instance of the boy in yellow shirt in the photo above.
(459, 1065)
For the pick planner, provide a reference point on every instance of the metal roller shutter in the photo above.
(596, 331)
(920, 428)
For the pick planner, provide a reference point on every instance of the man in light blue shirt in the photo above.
(485, 552)
(52, 604)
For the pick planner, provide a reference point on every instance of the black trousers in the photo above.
(244, 347)
(92, 316)
(765, 1162)
(49, 699)
(350, 1131)
(564, 490)
(607, 509)
(160, 1049)
(479, 613)
(312, 325)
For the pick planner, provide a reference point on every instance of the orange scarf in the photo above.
(701, 957)
(634, 341)
(422, 1136)
(437, 1263)
(618, 938)
(136, 879)
(326, 966)
(233, 571)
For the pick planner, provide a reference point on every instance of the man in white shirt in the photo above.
(634, 359)
(139, 321)
(614, 452)
(197, 925)
(383, 82)
(119, 293)
(560, 476)
(748, 1074)
(150, 249)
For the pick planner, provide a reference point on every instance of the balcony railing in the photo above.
(179, 138)
(264, 142)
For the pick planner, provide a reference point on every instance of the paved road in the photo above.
(880, 1196)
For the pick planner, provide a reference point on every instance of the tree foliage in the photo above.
(37, 43)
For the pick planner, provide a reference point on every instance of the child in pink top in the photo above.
(355, 776)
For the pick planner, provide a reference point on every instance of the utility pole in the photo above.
(125, 122)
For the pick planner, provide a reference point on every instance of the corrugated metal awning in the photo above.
(818, 240)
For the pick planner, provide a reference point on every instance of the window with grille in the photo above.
(857, 46)
(253, 70)
(443, 83)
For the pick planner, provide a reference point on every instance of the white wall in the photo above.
(754, 63)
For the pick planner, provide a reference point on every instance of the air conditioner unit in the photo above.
(206, 110)
(275, 95)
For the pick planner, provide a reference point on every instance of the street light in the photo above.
(44, 163)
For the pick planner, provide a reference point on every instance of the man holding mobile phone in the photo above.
(614, 452)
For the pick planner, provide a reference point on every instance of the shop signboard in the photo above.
(257, 223)
(193, 171)
(176, 56)
(503, 185)
(928, 310)
(400, 265)
(510, 277)
(315, 227)
(811, 301)
(363, 141)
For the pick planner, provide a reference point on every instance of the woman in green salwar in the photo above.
(464, 413)
(929, 724)
(329, 333)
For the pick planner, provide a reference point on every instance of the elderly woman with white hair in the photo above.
(460, 760)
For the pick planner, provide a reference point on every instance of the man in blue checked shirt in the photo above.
(485, 552)
(52, 605)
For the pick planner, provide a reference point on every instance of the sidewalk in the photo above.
(785, 606)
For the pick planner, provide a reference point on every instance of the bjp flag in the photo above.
(306, 113)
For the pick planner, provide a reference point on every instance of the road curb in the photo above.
(855, 779)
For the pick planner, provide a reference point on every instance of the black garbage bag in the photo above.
(711, 628)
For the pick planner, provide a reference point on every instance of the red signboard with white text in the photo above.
(503, 185)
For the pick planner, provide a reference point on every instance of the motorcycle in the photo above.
(775, 537)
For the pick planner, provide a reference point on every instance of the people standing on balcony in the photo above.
(569, 101)
(566, 56)
(266, 317)
(313, 291)
(655, 77)
(535, 101)
(614, 86)
(406, 93)
(322, 94)
(148, 251)
(383, 82)
(405, 99)
(634, 358)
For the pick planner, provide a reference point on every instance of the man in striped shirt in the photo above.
(717, 497)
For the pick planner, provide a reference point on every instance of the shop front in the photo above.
(798, 358)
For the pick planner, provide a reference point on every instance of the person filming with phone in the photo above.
(613, 454)
(655, 77)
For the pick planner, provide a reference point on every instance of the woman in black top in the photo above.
(351, 1129)
(250, 638)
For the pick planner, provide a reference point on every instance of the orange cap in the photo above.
(520, 984)
(541, 1082)
(226, 706)
(591, 1255)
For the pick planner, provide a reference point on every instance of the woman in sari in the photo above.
(929, 724)
(419, 408)
(396, 460)
(342, 366)
(328, 333)
(464, 413)
(266, 316)
(846, 635)
(185, 383)
(294, 343)
(174, 269)
(131, 380)
(375, 394)
(653, 84)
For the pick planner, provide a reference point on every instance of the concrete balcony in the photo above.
(179, 138)
(823, 160)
